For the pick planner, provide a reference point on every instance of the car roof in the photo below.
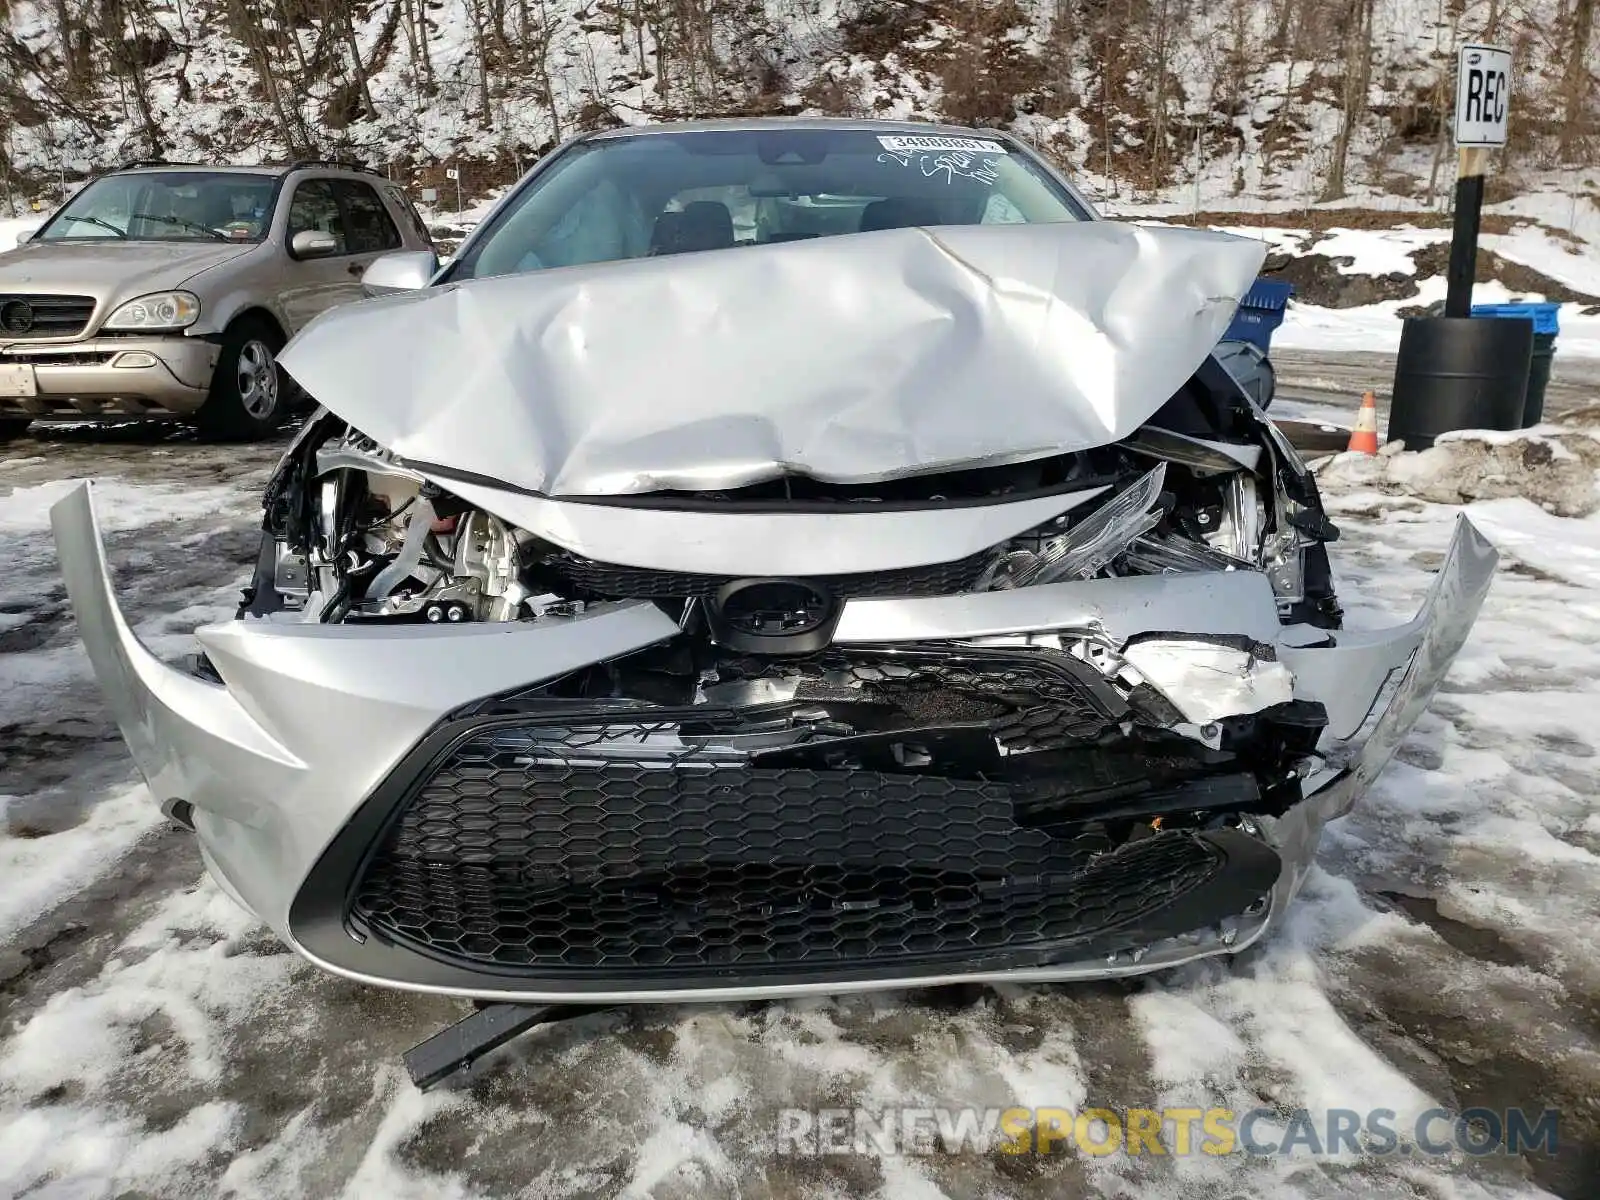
(738, 124)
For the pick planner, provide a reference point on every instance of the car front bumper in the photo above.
(108, 377)
(299, 761)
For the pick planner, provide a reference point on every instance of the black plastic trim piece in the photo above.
(318, 917)
(686, 503)
(813, 634)
(457, 1047)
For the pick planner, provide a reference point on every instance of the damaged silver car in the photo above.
(778, 558)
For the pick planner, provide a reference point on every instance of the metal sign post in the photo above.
(1483, 106)
(1459, 371)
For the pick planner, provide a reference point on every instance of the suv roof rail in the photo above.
(155, 162)
(345, 164)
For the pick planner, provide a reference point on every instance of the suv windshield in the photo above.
(629, 196)
(168, 206)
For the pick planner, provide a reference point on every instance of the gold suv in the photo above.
(167, 288)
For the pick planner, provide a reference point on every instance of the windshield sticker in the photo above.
(901, 143)
(951, 164)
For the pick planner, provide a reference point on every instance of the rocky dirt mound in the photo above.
(1552, 465)
(1319, 280)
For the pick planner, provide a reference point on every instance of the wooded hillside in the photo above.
(1310, 98)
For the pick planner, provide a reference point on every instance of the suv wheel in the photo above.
(249, 396)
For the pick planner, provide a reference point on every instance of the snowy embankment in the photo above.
(1389, 258)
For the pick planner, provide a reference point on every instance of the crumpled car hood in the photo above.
(850, 359)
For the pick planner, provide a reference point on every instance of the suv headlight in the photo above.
(159, 310)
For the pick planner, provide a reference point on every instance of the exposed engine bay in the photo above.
(356, 534)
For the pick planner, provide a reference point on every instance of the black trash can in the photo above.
(1544, 352)
(1459, 373)
(1546, 325)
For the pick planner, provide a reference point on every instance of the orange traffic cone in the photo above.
(1364, 437)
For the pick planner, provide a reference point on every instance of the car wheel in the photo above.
(248, 397)
(13, 427)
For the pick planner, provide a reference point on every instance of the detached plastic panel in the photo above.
(1260, 313)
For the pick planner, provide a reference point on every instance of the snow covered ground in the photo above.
(1377, 326)
(10, 227)
(1573, 263)
(155, 1041)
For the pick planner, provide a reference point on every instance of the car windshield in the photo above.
(629, 196)
(168, 206)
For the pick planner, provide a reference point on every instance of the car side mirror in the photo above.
(313, 243)
(402, 271)
(23, 235)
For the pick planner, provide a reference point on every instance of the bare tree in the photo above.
(1357, 81)
(1577, 81)
(290, 122)
(537, 34)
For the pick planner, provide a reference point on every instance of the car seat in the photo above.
(899, 212)
(216, 204)
(664, 234)
(702, 225)
(707, 225)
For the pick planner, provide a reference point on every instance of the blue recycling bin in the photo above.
(1546, 324)
(1259, 313)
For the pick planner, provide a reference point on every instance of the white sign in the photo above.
(918, 144)
(430, 195)
(452, 173)
(1483, 95)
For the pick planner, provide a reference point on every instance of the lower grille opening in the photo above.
(510, 860)
(858, 814)
(640, 884)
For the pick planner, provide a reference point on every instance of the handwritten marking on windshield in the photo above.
(951, 163)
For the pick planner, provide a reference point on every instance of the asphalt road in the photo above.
(1315, 380)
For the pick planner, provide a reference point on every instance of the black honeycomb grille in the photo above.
(609, 579)
(549, 852)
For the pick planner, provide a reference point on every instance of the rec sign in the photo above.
(1483, 95)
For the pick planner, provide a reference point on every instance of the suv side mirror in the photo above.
(23, 235)
(402, 271)
(313, 243)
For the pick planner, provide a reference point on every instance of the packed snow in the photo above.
(10, 227)
(1568, 550)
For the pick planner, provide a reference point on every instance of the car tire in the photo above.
(12, 428)
(249, 394)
